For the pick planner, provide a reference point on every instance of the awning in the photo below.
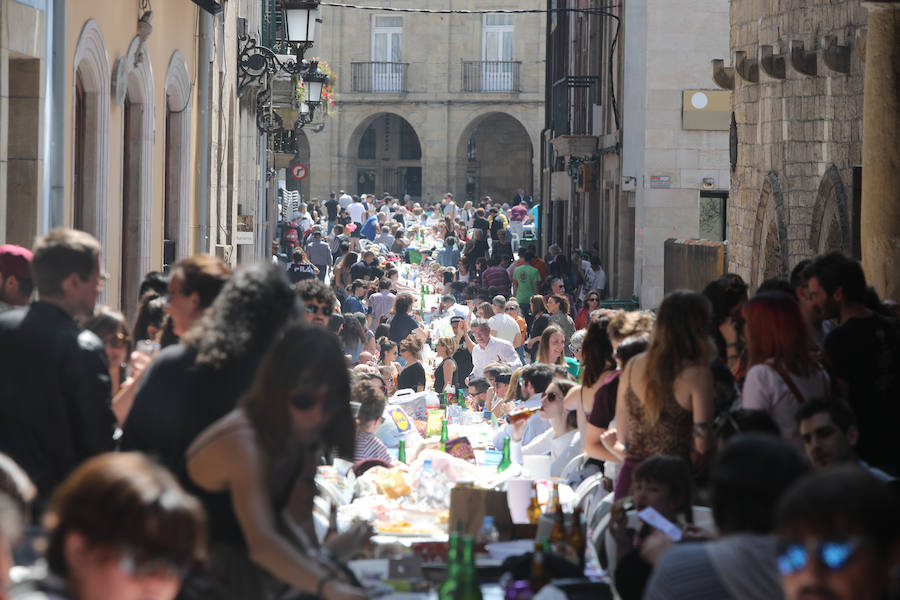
(213, 7)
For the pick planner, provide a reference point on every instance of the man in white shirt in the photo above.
(534, 380)
(449, 307)
(357, 212)
(345, 199)
(504, 326)
(488, 349)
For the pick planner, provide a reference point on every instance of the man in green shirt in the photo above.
(526, 278)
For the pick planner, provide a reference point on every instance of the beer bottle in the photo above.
(332, 523)
(468, 588)
(558, 533)
(444, 435)
(401, 451)
(576, 538)
(534, 508)
(506, 461)
(448, 588)
(462, 399)
(538, 578)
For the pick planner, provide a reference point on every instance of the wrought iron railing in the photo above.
(378, 77)
(487, 76)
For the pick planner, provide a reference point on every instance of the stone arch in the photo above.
(134, 90)
(91, 73)
(493, 185)
(770, 251)
(177, 155)
(830, 227)
(387, 167)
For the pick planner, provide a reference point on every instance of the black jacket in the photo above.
(54, 394)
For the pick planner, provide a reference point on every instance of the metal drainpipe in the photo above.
(548, 111)
(201, 245)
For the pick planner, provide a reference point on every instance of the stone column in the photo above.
(880, 218)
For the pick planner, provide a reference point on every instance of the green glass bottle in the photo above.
(505, 462)
(444, 435)
(447, 590)
(468, 588)
(401, 451)
(462, 399)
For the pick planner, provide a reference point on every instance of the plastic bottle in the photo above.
(488, 532)
(448, 393)
(448, 588)
(401, 451)
(506, 461)
(426, 485)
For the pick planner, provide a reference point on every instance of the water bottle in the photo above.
(488, 533)
(425, 488)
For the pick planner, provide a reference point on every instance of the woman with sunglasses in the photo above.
(256, 467)
(120, 527)
(561, 441)
(412, 376)
(591, 303)
(125, 368)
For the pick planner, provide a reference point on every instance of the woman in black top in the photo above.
(502, 247)
(413, 374)
(541, 320)
(445, 372)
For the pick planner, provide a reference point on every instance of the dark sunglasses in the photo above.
(511, 309)
(794, 556)
(551, 396)
(306, 400)
(593, 300)
(322, 310)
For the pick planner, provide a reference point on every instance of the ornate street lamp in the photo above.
(258, 65)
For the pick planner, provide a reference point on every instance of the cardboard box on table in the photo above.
(469, 506)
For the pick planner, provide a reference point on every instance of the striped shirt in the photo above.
(369, 446)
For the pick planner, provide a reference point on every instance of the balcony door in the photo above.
(387, 73)
(497, 53)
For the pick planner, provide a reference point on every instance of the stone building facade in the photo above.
(430, 103)
(143, 142)
(797, 79)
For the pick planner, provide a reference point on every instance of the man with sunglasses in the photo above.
(748, 477)
(318, 299)
(839, 537)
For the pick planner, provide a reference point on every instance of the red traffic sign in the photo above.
(298, 171)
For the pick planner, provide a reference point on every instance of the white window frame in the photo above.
(390, 78)
(495, 79)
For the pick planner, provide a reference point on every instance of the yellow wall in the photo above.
(175, 25)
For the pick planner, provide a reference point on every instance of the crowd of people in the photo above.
(178, 454)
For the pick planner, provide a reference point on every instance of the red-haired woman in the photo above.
(783, 372)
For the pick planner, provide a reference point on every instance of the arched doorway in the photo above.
(388, 157)
(830, 227)
(770, 252)
(137, 168)
(177, 173)
(495, 157)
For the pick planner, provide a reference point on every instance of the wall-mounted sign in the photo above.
(244, 233)
(659, 181)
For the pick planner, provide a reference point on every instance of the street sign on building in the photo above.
(298, 171)
(244, 233)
